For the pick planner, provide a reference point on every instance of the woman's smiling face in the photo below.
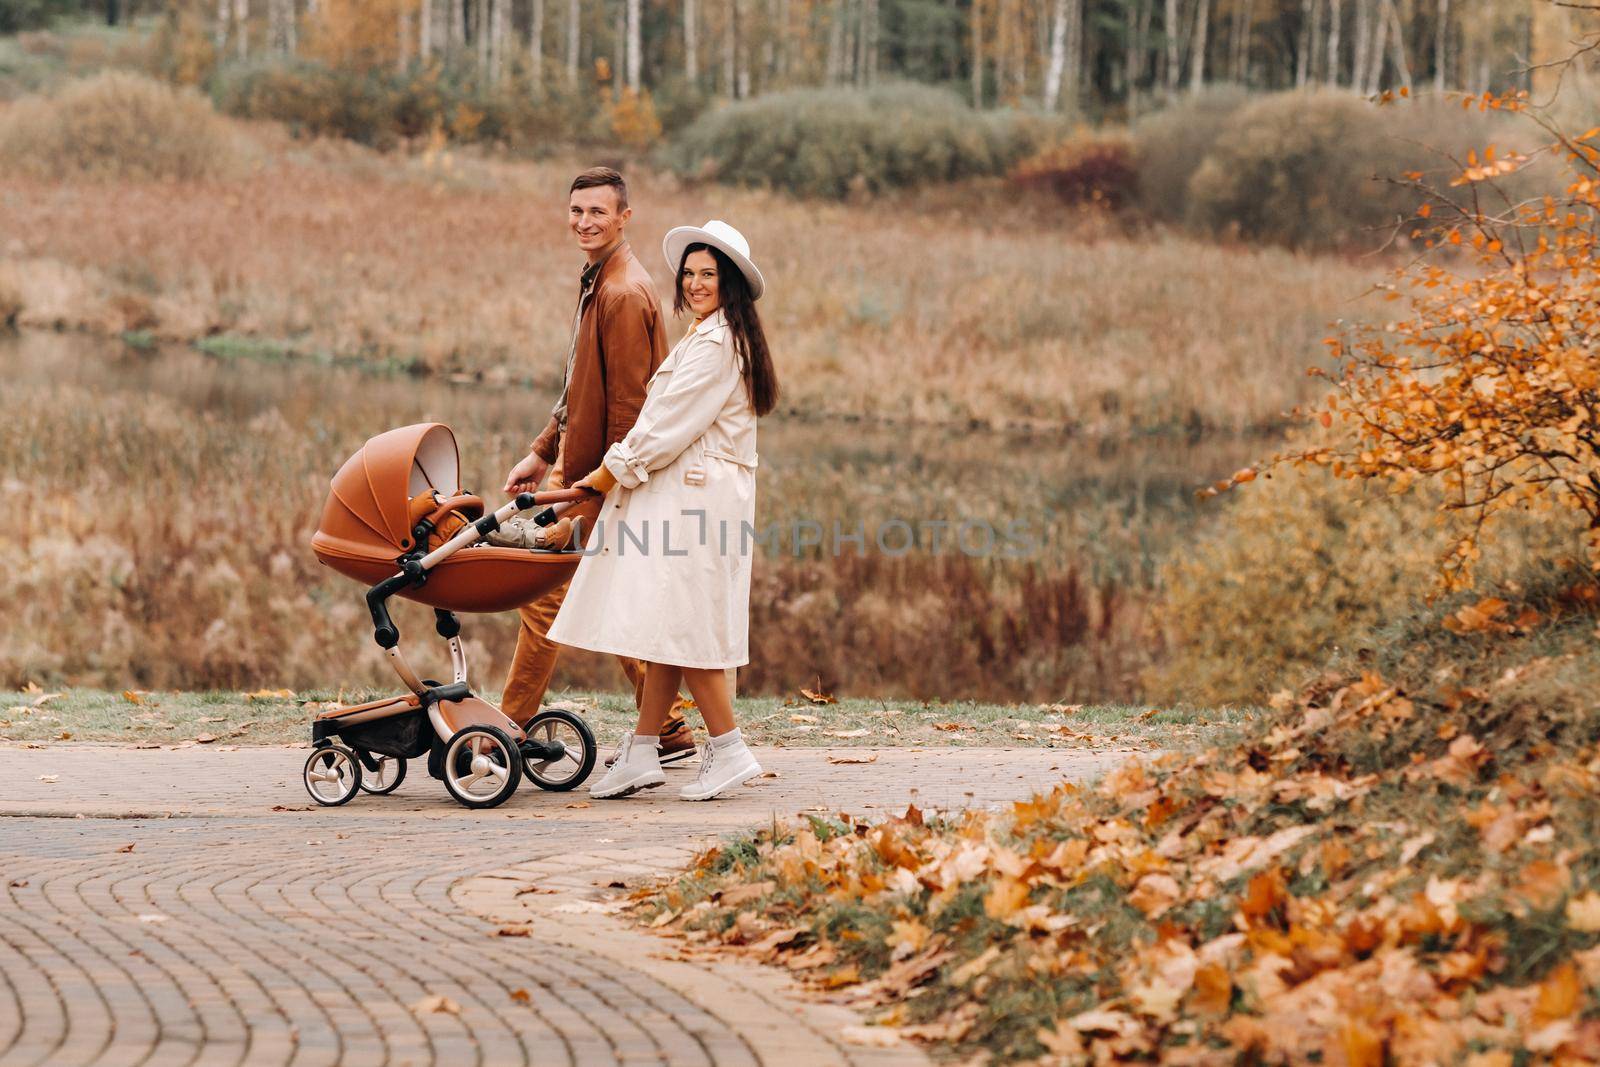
(699, 283)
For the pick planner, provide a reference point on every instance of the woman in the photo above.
(666, 575)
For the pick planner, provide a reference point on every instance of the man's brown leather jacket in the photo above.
(621, 342)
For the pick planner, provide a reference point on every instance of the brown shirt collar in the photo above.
(591, 271)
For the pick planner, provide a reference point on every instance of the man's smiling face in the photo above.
(595, 218)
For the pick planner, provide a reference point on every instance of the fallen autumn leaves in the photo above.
(1367, 877)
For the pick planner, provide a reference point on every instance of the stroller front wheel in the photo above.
(332, 775)
(482, 767)
(569, 770)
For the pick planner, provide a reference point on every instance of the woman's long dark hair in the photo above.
(749, 341)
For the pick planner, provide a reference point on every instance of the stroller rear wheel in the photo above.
(387, 778)
(482, 766)
(577, 759)
(332, 775)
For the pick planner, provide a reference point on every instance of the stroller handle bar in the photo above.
(558, 499)
(415, 570)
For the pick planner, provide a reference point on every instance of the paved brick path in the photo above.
(182, 907)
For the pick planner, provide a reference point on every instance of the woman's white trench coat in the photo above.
(666, 571)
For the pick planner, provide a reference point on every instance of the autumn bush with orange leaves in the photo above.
(1396, 866)
(1490, 386)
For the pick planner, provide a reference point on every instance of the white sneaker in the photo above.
(721, 770)
(637, 767)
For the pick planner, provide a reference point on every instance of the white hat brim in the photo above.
(680, 237)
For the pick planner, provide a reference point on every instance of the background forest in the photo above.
(663, 60)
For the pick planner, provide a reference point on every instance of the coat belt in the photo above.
(747, 464)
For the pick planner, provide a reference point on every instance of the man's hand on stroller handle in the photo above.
(526, 475)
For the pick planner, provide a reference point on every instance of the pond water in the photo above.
(1120, 504)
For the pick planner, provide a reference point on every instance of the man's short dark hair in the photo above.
(597, 176)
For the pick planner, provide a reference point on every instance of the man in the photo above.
(618, 341)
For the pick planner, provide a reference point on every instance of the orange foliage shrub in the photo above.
(1489, 387)
(632, 118)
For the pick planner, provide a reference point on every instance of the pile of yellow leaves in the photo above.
(1366, 877)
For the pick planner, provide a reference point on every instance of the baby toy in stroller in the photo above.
(397, 521)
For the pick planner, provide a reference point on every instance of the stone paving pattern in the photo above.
(185, 907)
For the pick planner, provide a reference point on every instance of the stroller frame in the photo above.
(478, 752)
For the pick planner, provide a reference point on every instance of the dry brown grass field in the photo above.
(969, 304)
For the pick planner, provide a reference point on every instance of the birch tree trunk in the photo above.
(220, 38)
(869, 37)
(1380, 34)
(241, 23)
(730, 51)
(492, 27)
(1197, 69)
(403, 31)
(1302, 60)
(1247, 36)
(635, 46)
(977, 53)
(1002, 49)
(1335, 19)
(1130, 51)
(1131, 54)
(691, 68)
(741, 53)
(1075, 71)
(1235, 25)
(1170, 28)
(456, 28)
(535, 44)
(1358, 62)
(858, 39)
(425, 29)
(858, 42)
(480, 36)
(1441, 41)
(1397, 44)
(574, 31)
(1058, 56)
(502, 38)
(1146, 15)
(836, 42)
(1314, 51)
(786, 36)
(619, 46)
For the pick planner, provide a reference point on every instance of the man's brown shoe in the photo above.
(677, 742)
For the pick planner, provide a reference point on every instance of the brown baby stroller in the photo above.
(397, 520)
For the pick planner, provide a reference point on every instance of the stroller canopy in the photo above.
(366, 527)
(369, 495)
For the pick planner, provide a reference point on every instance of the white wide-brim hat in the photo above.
(725, 239)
